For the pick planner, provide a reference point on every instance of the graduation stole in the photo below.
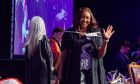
(58, 53)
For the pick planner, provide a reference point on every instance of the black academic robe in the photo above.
(37, 66)
(71, 69)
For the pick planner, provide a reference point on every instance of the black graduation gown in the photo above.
(71, 70)
(37, 67)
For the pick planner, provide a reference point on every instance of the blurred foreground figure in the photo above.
(10, 81)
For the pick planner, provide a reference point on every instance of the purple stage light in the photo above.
(54, 12)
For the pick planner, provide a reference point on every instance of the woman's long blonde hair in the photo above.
(37, 31)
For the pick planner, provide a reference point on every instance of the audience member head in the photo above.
(125, 47)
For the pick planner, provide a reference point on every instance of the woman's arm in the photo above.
(106, 34)
(103, 48)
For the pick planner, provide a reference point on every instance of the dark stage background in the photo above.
(124, 15)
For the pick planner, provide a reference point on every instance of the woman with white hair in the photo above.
(38, 55)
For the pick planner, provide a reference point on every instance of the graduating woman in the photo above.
(82, 51)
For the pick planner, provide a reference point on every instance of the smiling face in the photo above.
(85, 20)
